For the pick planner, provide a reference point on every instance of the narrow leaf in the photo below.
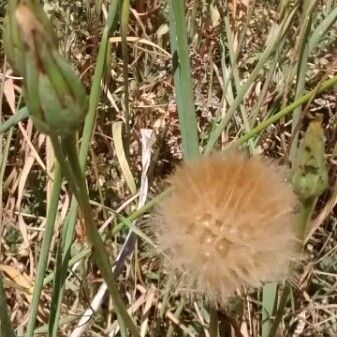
(183, 80)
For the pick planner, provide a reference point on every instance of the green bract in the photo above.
(54, 95)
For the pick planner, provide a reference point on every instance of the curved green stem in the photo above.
(305, 215)
(274, 118)
(66, 153)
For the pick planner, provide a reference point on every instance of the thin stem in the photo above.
(305, 215)
(72, 170)
(124, 32)
(282, 113)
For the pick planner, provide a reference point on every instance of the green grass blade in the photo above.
(269, 295)
(321, 29)
(19, 116)
(96, 89)
(183, 80)
(43, 259)
(302, 65)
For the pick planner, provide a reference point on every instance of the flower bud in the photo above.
(54, 95)
(310, 176)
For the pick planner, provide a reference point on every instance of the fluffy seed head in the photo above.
(228, 222)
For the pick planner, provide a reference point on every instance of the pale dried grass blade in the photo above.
(117, 136)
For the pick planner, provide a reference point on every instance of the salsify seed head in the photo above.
(228, 222)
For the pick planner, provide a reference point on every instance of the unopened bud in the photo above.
(310, 176)
(53, 93)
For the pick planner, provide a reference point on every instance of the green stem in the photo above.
(73, 172)
(305, 215)
(282, 113)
